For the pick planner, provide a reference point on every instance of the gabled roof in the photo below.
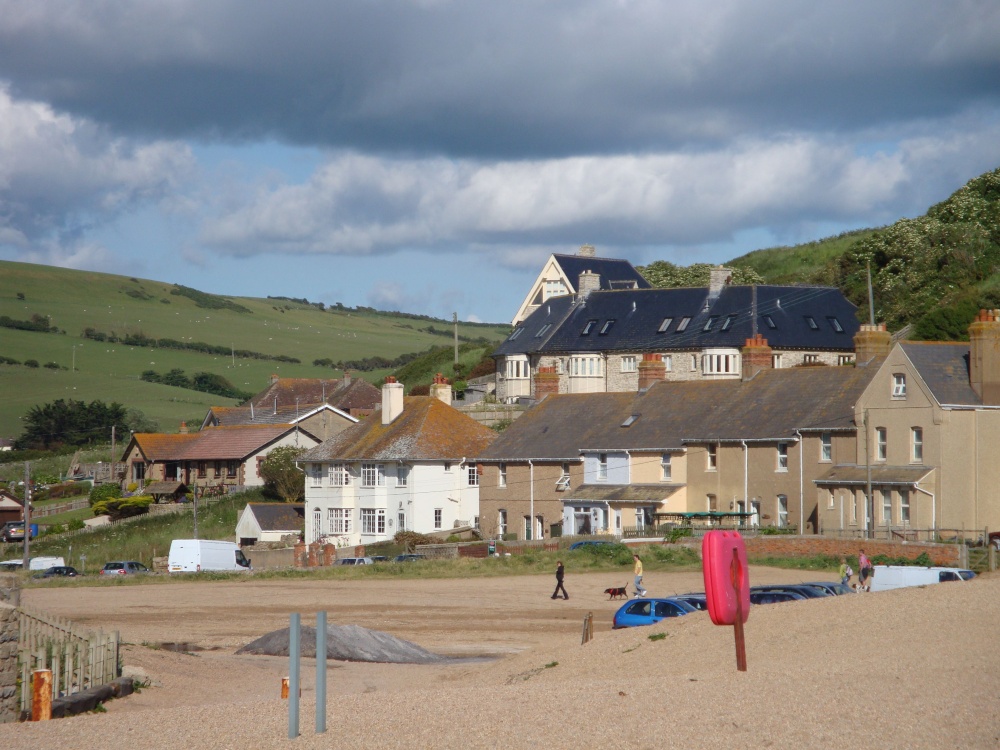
(615, 273)
(236, 442)
(279, 516)
(944, 367)
(243, 415)
(771, 406)
(637, 320)
(305, 392)
(428, 429)
(159, 446)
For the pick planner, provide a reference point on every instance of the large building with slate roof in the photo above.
(596, 339)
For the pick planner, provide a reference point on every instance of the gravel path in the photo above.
(915, 668)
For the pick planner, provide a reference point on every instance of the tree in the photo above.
(282, 476)
(665, 275)
(69, 423)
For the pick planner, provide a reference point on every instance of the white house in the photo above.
(407, 467)
(269, 522)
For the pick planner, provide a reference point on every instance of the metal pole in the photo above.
(196, 511)
(320, 672)
(454, 317)
(27, 514)
(293, 675)
(869, 508)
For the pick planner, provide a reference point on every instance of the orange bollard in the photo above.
(284, 688)
(41, 695)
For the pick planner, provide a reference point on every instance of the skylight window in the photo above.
(682, 325)
(836, 324)
(630, 420)
(517, 332)
(769, 320)
(607, 327)
(542, 330)
(710, 322)
(665, 325)
(811, 322)
(587, 328)
(728, 322)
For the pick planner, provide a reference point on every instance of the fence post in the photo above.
(588, 628)
(320, 672)
(294, 631)
(41, 695)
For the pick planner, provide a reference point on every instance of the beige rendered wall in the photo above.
(516, 499)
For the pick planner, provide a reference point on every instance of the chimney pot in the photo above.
(587, 251)
(392, 400)
(588, 282)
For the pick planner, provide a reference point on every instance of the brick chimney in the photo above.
(589, 282)
(651, 370)
(441, 389)
(546, 382)
(274, 378)
(754, 357)
(718, 278)
(184, 428)
(347, 377)
(871, 341)
(586, 251)
(984, 356)
(392, 400)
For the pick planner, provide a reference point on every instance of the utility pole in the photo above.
(869, 508)
(454, 318)
(871, 296)
(196, 511)
(112, 453)
(27, 514)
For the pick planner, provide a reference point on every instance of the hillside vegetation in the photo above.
(292, 333)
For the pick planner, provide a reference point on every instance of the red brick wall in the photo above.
(794, 546)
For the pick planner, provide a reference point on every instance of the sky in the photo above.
(428, 155)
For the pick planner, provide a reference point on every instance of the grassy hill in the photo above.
(808, 263)
(86, 369)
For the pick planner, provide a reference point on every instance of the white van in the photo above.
(44, 563)
(196, 555)
(899, 576)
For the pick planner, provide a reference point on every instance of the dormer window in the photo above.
(728, 322)
(517, 332)
(606, 327)
(542, 330)
(682, 326)
(588, 328)
(769, 320)
(811, 322)
(710, 322)
(665, 325)
(835, 324)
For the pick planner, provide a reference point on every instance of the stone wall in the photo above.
(10, 596)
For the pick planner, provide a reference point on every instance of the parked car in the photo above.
(124, 567)
(834, 587)
(409, 558)
(887, 577)
(58, 571)
(590, 543)
(13, 531)
(356, 561)
(698, 601)
(807, 590)
(773, 597)
(379, 558)
(648, 611)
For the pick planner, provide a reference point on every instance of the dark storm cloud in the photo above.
(514, 79)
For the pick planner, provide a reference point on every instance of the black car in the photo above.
(698, 601)
(773, 597)
(409, 558)
(804, 589)
(834, 587)
(58, 571)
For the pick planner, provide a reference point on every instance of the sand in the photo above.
(914, 668)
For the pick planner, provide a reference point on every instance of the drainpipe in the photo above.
(802, 500)
(531, 499)
(933, 507)
(746, 477)
(628, 463)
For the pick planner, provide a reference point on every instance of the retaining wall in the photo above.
(10, 597)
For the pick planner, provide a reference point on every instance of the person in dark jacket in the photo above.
(560, 573)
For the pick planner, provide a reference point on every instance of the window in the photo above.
(517, 332)
(694, 361)
(372, 475)
(628, 364)
(881, 443)
(886, 506)
(776, 361)
(473, 475)
(401, 521)
(526, 527)
(899, 385)
(729, 321)
(904, 506)
(232, 467)
(710, 322)
(829, 500)
(835, 324)
(502, 479)
(542, 330)
(769, 321)
(317, 524)
(782, 511)
(372, 520)
(811, 322)
(712, 458)
(402, 475)
(682, 325)
(845, 359)
(854, 508)
(339, 520)
(585, 366)
(217, 469)
(437, 518)
(517, 369)
(202, 469)
(665, 325)
(640, 518)
(630, 420)
(668, 362)
(587, 328)
(501, 523)
(666, 472)
(447, 466)
(826, 447)
(917, 439)
(602, 467)
(316, 474)
(782, 457)
(810, 359)
(606, 327)
(339, 476)
(716, 362)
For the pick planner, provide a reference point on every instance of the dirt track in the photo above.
(929, 676)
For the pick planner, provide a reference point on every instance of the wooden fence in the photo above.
(79, 660)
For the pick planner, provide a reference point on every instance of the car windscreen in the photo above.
(668, 609)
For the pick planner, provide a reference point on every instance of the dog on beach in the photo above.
(617, 591)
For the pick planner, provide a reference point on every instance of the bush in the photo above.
(675, 535)
(132, 487)
(123, 507)
(101, 492)
(31, 363)
(76, 525)
(410, 539)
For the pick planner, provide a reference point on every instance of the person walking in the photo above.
(864, 571)
(845, 571)
(639, 589)
(560, 574)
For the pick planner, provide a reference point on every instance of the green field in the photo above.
(75, 300)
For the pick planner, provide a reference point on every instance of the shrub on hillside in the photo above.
(123, 507)
(101, 492)
(410, 539)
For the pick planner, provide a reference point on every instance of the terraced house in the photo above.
(603, 337)
(409, 466)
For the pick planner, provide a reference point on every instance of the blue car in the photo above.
(649, 611)
(590, 543)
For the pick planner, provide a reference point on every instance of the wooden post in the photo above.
(736, 574)
(284, 688)
(588, 628)
(41, 695)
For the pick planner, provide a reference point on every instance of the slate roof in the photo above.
(279, 516)
(238, 415)
(615, 273)
(623, 493)
(849, 474)
(428, 429)
(770, 406)
(944, 367)
(789, 317)
(352, 394)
